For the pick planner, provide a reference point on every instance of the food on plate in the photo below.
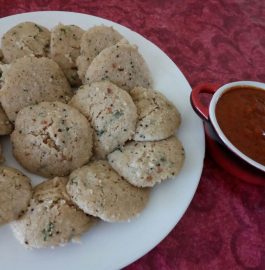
(30, 80)
(243, 121)
(121, 64)
(65, 48)
(158, 117)
(93, 42)
(145, 164)
(51, 139)
(51, 218)
(5, 125)
(111, 112)
(23, 39)
(15, 194)
(99, 191)
(116, 120)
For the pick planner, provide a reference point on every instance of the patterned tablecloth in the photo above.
(210, 41)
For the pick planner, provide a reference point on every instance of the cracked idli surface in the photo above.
(158, 118)
(111, 112)
(51, 139)
(145, 164)
(65, 49)
(23, 39)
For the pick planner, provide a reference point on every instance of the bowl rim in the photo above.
(217, 95)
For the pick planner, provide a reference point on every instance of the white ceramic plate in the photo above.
(113, 246)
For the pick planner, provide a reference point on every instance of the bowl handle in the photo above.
(201, 109)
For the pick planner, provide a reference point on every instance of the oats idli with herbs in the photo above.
(30, 80)
(93, 41)
(145, 164)
(51, 219)
(158, 118)
(65, 49)
(51, 139)
(111, 112)
(23, 39)
(101, 192)
(123, 65)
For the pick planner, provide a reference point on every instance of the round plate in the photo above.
(113, 246)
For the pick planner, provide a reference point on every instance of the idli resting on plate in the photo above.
(145, 164)
(51, 139)
(30, 80)
(123, 65)
(93, 41)
(51, 218)
(158, 118)
(99, 191)
(65, 48)
(111, 112)
(26, 38)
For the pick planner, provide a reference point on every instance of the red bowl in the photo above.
(215, 135)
